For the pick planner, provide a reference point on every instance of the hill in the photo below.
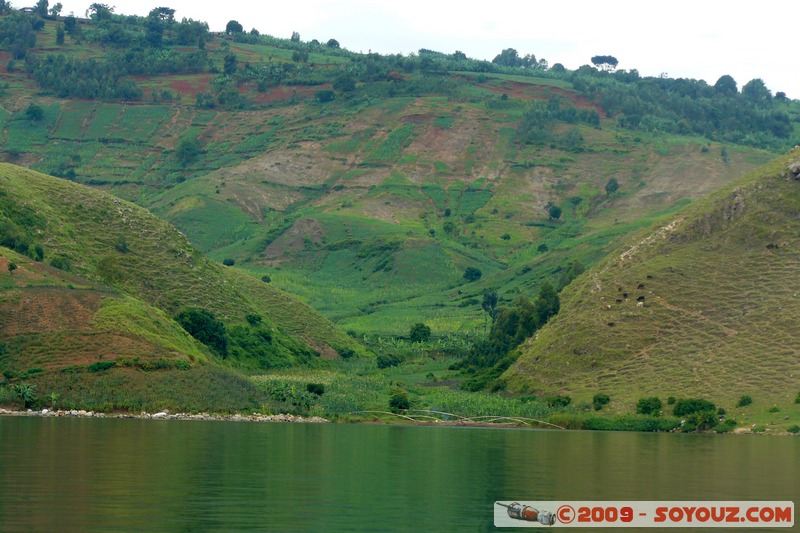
(367, 184)
(703, 305)
(107, 281)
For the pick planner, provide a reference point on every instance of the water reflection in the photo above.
(107, 475)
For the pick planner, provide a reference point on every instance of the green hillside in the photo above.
(109, 278)
(704, 304)
(383, 193)
(367, 184)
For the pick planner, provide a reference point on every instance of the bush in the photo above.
(266, 279)
(472, 274)
(419, 332)
(388, 360)
(558, 401)
(346, 353)
(797, 398)
(671, 400)
(744, 400)
(205, 327)
(100, 366)
(228, 262)
(725, 427)
(25, 393)
(316, 388)
(693, 405)
(774, 409)
(793, 429)
(398, 401)
(600, 400)
(649, 406)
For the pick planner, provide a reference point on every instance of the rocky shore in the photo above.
(166, 415)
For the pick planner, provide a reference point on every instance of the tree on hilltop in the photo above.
(605, 62)
(233, 27)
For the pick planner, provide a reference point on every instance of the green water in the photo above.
(134, 475)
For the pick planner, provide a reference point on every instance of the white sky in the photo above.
(701, 39)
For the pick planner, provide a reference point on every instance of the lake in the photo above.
(68, 474)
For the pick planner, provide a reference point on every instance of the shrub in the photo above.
(346, 353)
(725, 427)
(419, 332)
(388, 360)
(744, 400)
(793, 429)
(398, 401)
(671, 400)
(25, 392)
(253, 319)
(266, 279)
(228, 262)
(649, 406)
(205, 327)
(797, 398)
(774, 409)
(558, 401)
(693, 405)
(316, 388)
(11, 267)
(472, 274)
(100, 366)
(600, 400)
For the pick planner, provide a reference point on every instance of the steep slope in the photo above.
(109, 279)
(705, 305)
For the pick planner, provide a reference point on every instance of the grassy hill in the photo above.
(368, 207)
(704, 304)
(108, 280)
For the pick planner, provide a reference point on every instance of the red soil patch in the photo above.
(283, 93)
(191, 86)
(49, 310)
(526, 91)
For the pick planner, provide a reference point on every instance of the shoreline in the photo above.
(289, 418)
(166, 415)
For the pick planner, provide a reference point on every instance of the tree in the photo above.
(398, 401)
(70, 24)
(489, 304)
(34, 112)
(295, 37)
(205, 327)
(554, 212)
(345, 83)
(508, 58)
(42, 8)
(230, 65)
(55, 11)
(649, 406)
(419, 332)
(332, 43)
(607, 63)
(11, 267)
(233, 27)
(60, 34)
(612, 186)
(472, 274)
(187, 151)
(726, 86)
(25, 393)
(99, 11)
(756, 91)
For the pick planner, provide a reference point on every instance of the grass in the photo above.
(716, 336)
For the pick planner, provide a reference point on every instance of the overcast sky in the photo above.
(700, 39)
